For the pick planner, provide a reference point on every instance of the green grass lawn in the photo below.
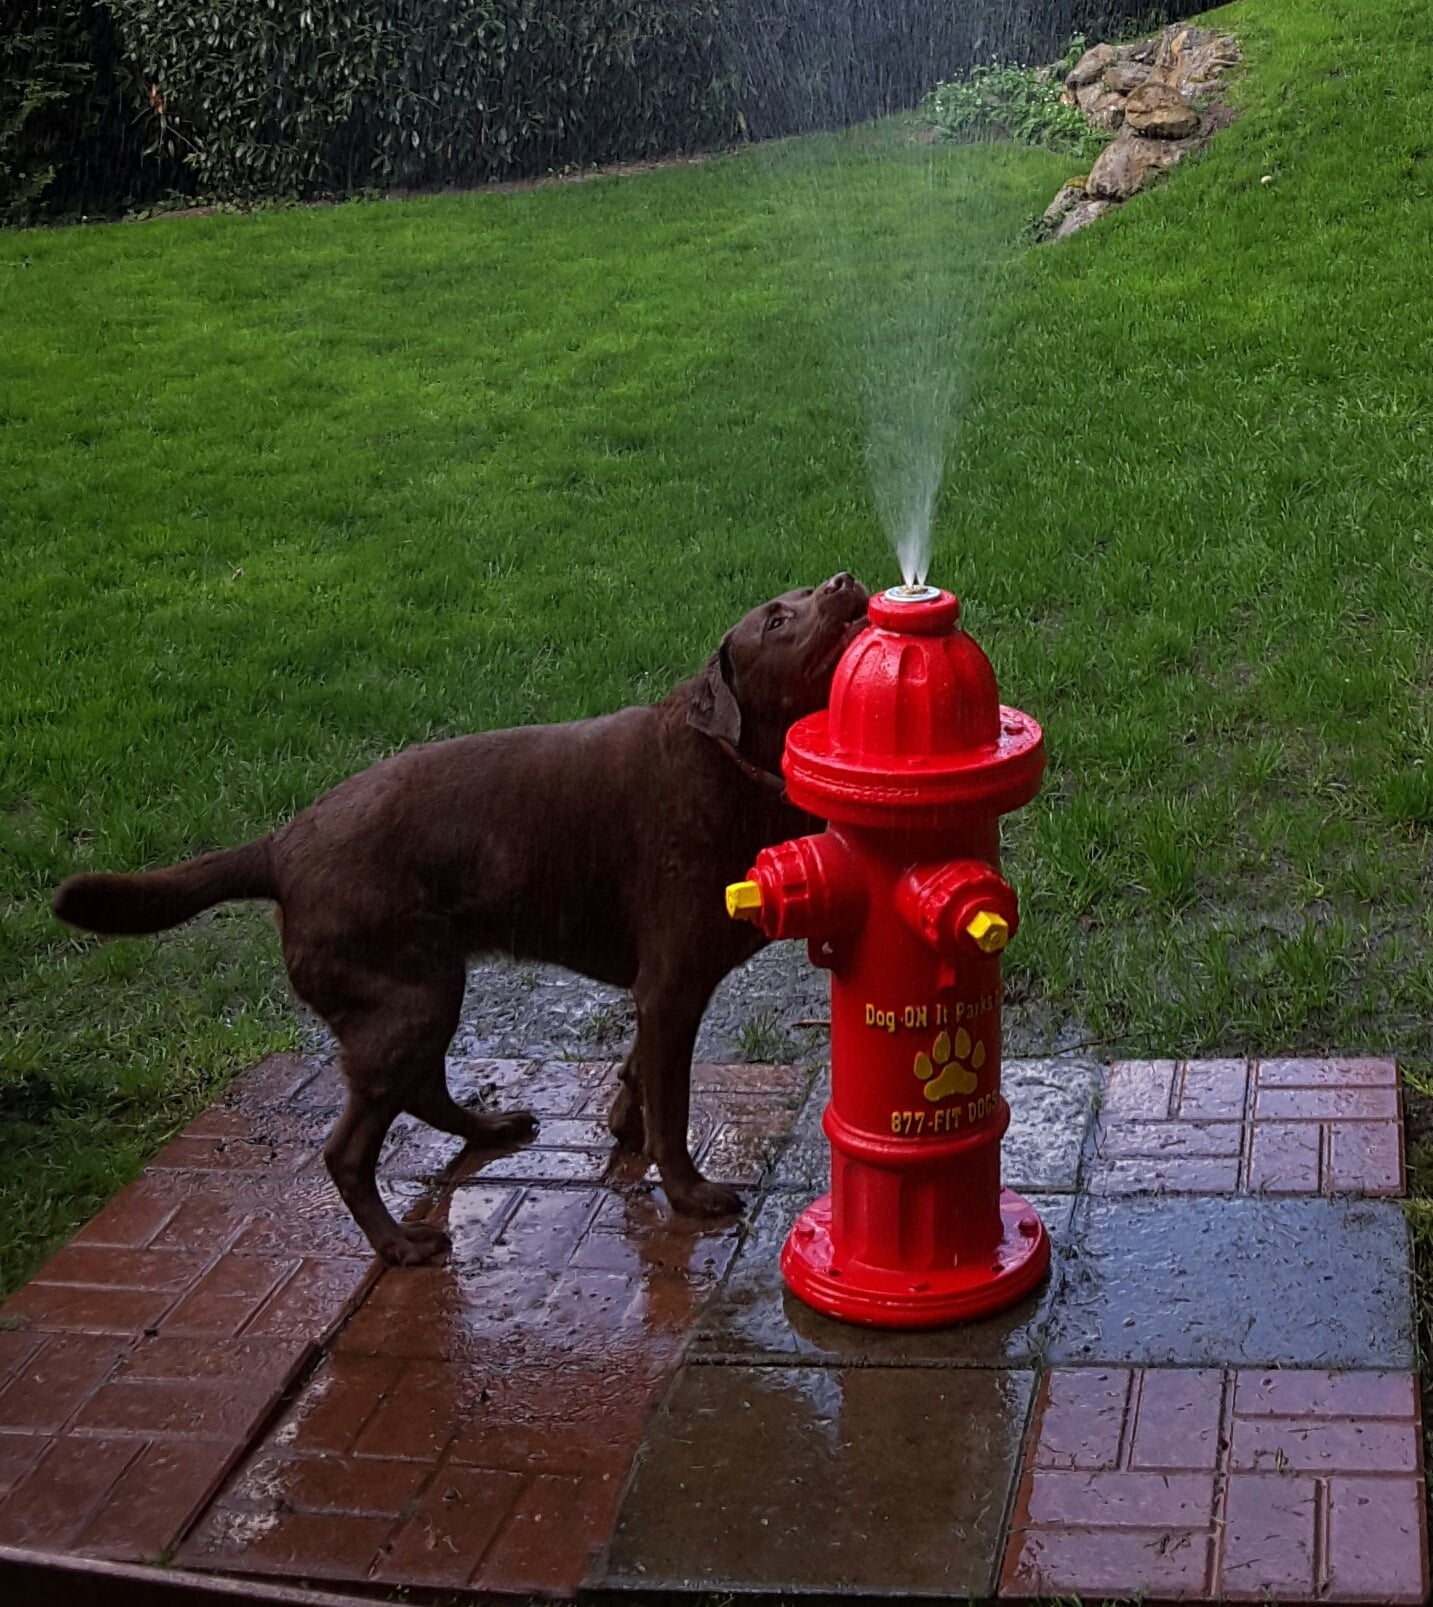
(282, 493)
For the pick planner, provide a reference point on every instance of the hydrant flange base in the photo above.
(879, 1297)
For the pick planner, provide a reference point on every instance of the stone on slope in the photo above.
(1090, 66)
(1160, 112)
(1068, 198)
(1124, 168)
(1088, 211)
(1124, 77)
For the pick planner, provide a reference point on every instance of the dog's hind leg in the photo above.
(394, 1031)
(432, 1103)
(670, 1005)
(351, 1155)
(624, 1120)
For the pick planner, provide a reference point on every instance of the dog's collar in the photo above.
(753, 772)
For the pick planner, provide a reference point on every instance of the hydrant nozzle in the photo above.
(743, 901)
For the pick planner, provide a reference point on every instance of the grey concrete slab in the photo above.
(804, 1164)
(774, 1007)
(893, 1481)
(1052, 1106)
(754, 1318)
(1218, 1281)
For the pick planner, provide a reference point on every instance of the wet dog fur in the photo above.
(602, 845)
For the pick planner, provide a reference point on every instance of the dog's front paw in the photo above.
(511, 1128)
(626, 1123)
(704, 1199)
(414, 1246)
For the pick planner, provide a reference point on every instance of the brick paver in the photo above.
(215, 1370)
(1250, 1127)
(473, 1424)
(145, 1361)
(158, 1341)
(1239, 1485)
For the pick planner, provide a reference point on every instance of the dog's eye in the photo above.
(776, 622)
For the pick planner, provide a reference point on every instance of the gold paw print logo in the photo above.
(950, 1068)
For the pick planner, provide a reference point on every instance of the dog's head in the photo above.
(775, 665)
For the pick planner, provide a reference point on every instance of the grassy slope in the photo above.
(285, 492)
(1207, 439)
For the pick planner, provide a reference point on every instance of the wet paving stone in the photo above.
(1213, 1281)
(753, 1317)
(1221, 1484)
(1051, 1110)
(1250, 1127)
(773, 1479)
(1052, 1106)
(216, 1370)
(158, 1342)
(472, 1426)
(804, 1162)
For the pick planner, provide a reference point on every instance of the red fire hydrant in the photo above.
(901, 900)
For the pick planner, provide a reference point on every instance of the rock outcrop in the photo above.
(1159, 97)
(1125, 167)
(1160, 112)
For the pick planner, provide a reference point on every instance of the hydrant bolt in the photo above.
(989, 931)
(743, 901)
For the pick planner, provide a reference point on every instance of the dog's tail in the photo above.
(154, 900)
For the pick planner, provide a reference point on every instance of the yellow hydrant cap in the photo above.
(743, 901)
(991, 932)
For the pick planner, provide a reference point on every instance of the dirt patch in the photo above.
(1417, 1118)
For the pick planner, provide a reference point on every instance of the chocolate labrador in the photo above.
(602, 845)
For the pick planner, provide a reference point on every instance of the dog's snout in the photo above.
(841, 582)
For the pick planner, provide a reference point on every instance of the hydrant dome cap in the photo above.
(914, 726)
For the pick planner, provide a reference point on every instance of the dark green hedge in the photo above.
(106, 101)
(70, 131)
(275, 97)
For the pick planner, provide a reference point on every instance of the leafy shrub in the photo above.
(304, 96)
(818, 64)
(808, 64)
(1014, 103)
(108, 102)
(69, 134)
(48, 69)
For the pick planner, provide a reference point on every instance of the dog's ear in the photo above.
(713, 709)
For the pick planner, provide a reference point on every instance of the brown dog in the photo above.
(602, 845)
